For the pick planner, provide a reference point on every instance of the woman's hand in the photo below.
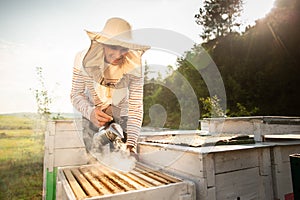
(99, 118)
(132, 152)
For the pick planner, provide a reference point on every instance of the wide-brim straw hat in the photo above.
(117, 32)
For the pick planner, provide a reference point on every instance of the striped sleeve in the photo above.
(78, 98)
(135, 109)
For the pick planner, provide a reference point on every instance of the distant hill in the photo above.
(35, 115)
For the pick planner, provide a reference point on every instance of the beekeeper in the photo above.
(107, 83)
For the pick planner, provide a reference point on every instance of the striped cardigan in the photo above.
(86, 94)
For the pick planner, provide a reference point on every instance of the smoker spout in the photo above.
(116, 129)
(107, 135)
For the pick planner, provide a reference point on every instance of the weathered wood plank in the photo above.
(146, 178)
(235, 160)
(282, 179)
(211, 193)
(284, 136)
(209, 168)
(163, 175)
(51, 162)
(176, 191)
(244, 184)
(50, 144)
(94, 181)
(286, 151)
(65, 125)
(116, 179)
(79, 193)
(257, 130)
(127, 180)
(227, 125)
(272, 129)
(184, 162)
(85, 184)
(264, 160)
(153, 176)
(112, 186)
(68, 139)
(51, 128)
(138, 180)
(67, 192)
(266, 189)
(68, 157)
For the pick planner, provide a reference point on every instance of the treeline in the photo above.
(260, 69)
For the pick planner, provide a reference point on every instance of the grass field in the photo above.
(21, 157)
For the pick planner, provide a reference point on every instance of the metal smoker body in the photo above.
(106, 135)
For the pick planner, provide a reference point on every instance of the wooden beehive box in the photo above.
(281, 169)
(254, 125)
(63, 147)
(100, 182)
(252, 171)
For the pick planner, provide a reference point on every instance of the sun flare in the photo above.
(256, 9)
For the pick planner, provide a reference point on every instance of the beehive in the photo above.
(97, 181)
(63, 147)
(241, 171)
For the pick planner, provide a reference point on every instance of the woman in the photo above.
(107, 82)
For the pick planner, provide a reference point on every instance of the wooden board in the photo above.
(283, 136)
(63, 146)
(64, 125)
(235, 160)
(176, 191)
(183, 162)
(282, 181)
(102, 188)
(69, 157)
(68, 139)
(243, 184)
(77, 190)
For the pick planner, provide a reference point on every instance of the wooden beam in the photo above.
(94, 181)
(85, 184)
(79, 193)
(165, 176)
(105, 180)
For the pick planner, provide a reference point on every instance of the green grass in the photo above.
(21, 158)
(16, 122)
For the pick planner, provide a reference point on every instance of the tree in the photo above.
(212, 107)
(41, 94)
(218, 17)
(260, 67)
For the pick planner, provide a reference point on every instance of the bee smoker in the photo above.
(106, 135)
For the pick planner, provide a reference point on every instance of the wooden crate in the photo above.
(63, 147)
(255, 125)
(100, 182)
(259, 171)
(282, 183)
(256, 171)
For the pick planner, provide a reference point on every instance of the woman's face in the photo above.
(114, 54)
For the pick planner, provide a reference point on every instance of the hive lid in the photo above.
(201, 140)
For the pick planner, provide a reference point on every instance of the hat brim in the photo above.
(117, 41)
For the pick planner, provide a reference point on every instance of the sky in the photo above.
(48, 34)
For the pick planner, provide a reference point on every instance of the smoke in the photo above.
(117, 160)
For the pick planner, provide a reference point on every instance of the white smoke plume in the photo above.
(118, 159)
